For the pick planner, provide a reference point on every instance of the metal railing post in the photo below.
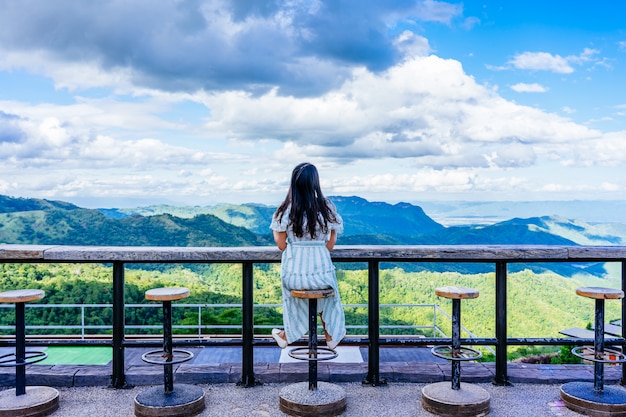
(623, 380)
(20, 350)
(199, 322)
(373, 326)
(118, 379)
(247, 330)
(501, 376)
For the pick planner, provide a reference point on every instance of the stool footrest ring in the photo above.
(159, 357)
(30, 357)
(322, 354)
(588, 353)
(461, 354)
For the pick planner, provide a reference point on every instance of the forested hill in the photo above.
(52, 224)
(11, 204)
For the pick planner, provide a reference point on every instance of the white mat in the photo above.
(346, 354)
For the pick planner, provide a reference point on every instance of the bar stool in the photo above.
(23, 400)
(455, 399)
(596, 399)
(185, 400)
(315, 398)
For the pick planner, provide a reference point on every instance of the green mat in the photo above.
(77, 355)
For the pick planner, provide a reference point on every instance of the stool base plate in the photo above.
(37, 402)
(184, 401)
(327, 401)
(469, 400)
(581, 397)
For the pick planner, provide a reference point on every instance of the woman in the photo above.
(305, 228)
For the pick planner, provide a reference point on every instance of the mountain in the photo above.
(12, 204)
(43, 221)
(56, 226)
(360, 216)
(254, 217)
(577, 231)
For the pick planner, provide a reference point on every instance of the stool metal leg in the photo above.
(168, 377)
(598, 345)
(313, 344)
(20, 349)
(456, 343)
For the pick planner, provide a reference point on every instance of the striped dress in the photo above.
(306, 265)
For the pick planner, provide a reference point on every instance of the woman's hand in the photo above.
(330, 243)
(280, 238)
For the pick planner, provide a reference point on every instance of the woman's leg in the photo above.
(333, 319)
(326, 335)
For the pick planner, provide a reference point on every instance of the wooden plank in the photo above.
(578, 333)
(23, 252)
(612, 329)
(397, 253)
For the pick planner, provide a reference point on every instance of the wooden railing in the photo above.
(499, 255)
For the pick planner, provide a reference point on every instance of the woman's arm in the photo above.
(330, 243)
(280, 238)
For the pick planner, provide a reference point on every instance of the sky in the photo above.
(119, 103)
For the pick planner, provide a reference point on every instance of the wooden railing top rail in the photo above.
(393, 253)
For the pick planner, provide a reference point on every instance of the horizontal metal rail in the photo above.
(199, 327)
(498, 255)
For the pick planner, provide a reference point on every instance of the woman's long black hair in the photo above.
(306, 199)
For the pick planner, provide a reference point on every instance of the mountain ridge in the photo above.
(44, 221)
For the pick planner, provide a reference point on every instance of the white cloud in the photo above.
(607, 150)
(438, 11)
(545, 61)
(470, 22)
(528, 88)
(541, 61)
(587, 55)
(411, 44)
(568, 110)
(426, 109)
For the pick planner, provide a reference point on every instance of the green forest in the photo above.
(539, 305)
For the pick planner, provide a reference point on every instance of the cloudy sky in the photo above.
(117, 103)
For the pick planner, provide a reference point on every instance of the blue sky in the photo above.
(121, 103)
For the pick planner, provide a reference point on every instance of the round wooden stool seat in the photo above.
(167, 294)
(600, 293)
(21, 296)
(457, 293)
(309, 294)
